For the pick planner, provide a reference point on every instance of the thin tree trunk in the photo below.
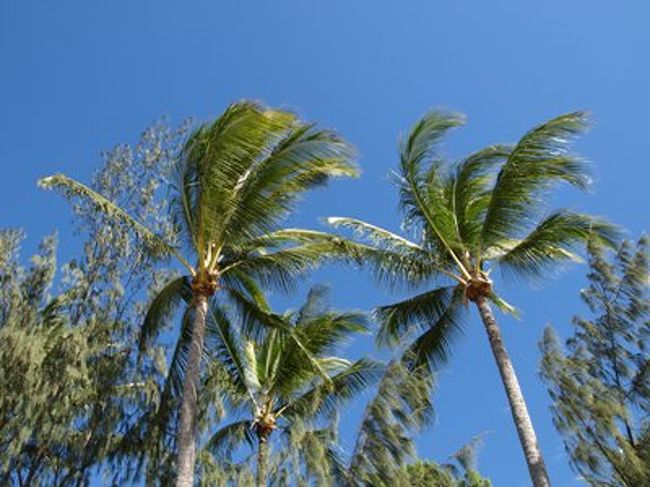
(262, 454)
(186, 436)
(524, 426)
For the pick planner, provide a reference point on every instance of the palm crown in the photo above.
(482, 212)
(288, 374)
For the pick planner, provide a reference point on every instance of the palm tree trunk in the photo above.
(262, 454)
(186, 436)
(524, 426)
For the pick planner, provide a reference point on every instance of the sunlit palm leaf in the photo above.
(303, 158)
(324, 398)
(553, 242)
(422, 187)
(539, 160)
(74, 189)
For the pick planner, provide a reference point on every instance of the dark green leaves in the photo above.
(539, 160)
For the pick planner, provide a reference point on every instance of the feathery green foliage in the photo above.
(599, 381)
(66, 345)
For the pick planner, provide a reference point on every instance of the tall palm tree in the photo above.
(235, 180)
(287, 375)
(483, 212)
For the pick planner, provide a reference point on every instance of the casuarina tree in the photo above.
(599, 382)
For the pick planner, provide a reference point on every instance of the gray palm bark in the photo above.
(186, 443)
(262, 454)
(520, 415)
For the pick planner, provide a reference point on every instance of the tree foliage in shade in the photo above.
(66, 355)
(600, 380)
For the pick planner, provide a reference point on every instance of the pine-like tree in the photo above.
(599, 382)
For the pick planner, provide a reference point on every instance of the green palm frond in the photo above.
(504, 305)
(470, 190)
(74, 189)
(433, 347)
(275, 332)
(423, 139)
(540, 160)
(325, 397)
(224, 345)
(304, 157)
(377, 236)
(422, 195)
(230, 437)
(552, 242)
(217, 159)
(243, 173)
(312, 338)
(278, 258)
(255, 320)
(176, 370)
(323, 332)
(162, 308)
(396, 319)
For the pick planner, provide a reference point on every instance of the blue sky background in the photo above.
(77, 77)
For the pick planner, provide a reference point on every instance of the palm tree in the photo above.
(286, 376)
(483, 212)
(234, 182)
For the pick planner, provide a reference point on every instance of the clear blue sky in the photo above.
(77, 77)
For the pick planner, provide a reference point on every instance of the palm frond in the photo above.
(539, 160)
(230, 437)
(162, 307)
(303, 158)
(74, 189)
(422, 188)
(218, 158)
(224, 345)
(433, 347)
(275, 332)
(470, 190)
(552, 242)
(377, 236)
(424, 137)
(325, 397)
(396, 319)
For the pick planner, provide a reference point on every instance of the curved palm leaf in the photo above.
(74, 189)
(230, 437)
(471, 192)
(552, 242)
(540, 159)
(324, 398)
(433, 347)
(162, 307)
(396, 319)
